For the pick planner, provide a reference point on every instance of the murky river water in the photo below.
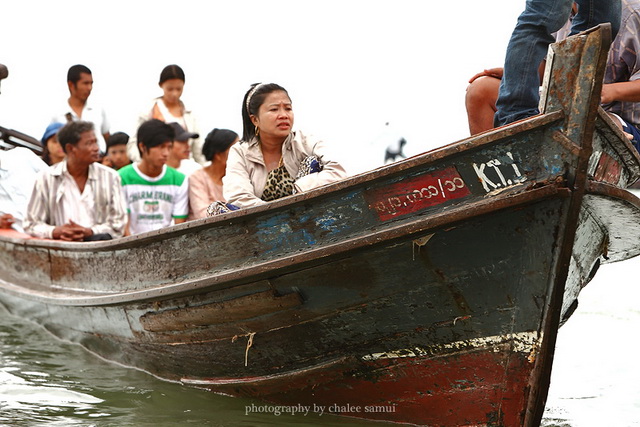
(45, 382)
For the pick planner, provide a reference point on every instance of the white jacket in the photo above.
(246, 173)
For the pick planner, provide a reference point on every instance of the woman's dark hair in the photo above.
(172, 71)
(218, 141)
(251, 102)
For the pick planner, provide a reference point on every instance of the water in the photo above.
(596, 370)
(46, 382)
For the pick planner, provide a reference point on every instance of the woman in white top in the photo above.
(169, 108)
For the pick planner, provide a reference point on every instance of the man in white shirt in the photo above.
(78, 107)
(77, 199)
(18, 170)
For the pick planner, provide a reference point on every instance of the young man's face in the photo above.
(82, 88)
(180, 150)
(118, 156)
(157, 156)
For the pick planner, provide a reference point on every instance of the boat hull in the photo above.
(454, 318)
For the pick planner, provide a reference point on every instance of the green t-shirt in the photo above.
(152, 203)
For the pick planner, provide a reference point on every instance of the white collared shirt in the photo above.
(90, 113)
(75, 206)
(19, 168)
(46, 207)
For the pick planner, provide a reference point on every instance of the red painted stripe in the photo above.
(484, 387)
(418, 193)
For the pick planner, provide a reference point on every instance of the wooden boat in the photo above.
(429, 291)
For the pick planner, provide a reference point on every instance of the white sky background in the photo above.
(349, 65)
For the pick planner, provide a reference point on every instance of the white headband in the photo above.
(251, 95)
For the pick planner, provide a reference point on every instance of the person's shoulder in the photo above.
(305, 140)
(61, 111)
(106, 170)
(304, 137)
(189, 166)
(129, 175)
(24, 154)
(174, 176)
(244, 147)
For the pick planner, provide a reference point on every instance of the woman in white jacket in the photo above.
(273, 161)
(169, 108)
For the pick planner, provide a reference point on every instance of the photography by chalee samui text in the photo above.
(318, 410)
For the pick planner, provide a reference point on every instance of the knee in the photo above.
(482, 91)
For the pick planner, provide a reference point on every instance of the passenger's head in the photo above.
(155, 139)
(218, 143)
(80, 82)
(261, 105)
(180, 149)
(51, 149)
(78, 140)
(172, 83)
(75, 72)
(117, 150)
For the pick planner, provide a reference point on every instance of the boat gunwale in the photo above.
(261, 270)
(494, 137)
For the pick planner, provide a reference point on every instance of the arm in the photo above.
(331, 171)
(37, 218)
(623, 91)
(181, 203)
(197, 143)
(116, 215)
(237, 186)
(198, 195)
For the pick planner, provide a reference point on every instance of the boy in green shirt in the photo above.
(155, 193)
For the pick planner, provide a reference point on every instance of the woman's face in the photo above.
(172, 91)
(275, 115)
(56, 153)
(222, 157)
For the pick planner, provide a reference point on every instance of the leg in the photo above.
(594, 12)
(480, 101)
(518, 96)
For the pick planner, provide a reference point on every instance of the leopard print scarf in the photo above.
(279, 184)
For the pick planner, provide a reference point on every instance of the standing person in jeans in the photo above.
(519, 88)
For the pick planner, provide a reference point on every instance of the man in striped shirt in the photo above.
(77, 199)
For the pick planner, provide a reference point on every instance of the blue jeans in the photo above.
(518, 97)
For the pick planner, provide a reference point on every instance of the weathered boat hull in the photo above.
(452, 320)
(427, 292)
